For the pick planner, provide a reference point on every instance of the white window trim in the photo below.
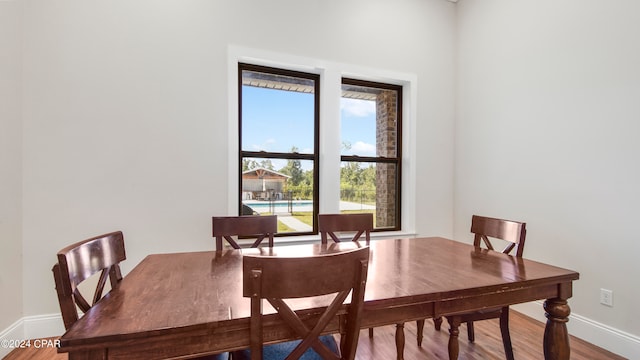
(331, 74)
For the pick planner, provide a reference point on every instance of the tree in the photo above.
(357, 183)
(248, 164)
(267, 164)
(294, 169)
(351, 174)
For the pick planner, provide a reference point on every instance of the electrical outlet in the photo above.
(606, 297)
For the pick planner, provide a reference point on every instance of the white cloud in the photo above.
(362, 148)
(357, 108)
(264, 146)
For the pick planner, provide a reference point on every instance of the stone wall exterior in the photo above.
(386, 140)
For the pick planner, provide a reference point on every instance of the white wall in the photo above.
(125, 112)
(113, 115)
(547, 132)
(10, 163)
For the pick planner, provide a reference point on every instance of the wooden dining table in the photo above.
(183, 304)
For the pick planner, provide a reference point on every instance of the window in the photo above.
(279, 149)
(371, 151)
(278, 125)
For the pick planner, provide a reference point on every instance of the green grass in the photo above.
(304, 216)
(358, 212)
(282, 228)
(307, 218)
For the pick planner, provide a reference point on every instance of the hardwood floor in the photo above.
(526, 338)
(526, 335)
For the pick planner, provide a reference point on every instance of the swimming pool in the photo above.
(279, 206)
(282, 206)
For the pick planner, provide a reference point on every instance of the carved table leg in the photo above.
(556, 337)
(420, 329)
(437, 322)
(454, 331)
(400, 341)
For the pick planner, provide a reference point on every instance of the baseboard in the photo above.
(31, 327)
(13, 332)
(42, 326)
(604, 336)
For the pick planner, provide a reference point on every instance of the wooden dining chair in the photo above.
(330, 224)
(278, 278)
(80, 261)
(260, 227)
(513, 234)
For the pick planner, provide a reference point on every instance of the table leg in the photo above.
(454, 331)
(437, 322)
(556, 336)
(420, 330)
(400, 341)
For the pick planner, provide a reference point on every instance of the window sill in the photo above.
(313, 239)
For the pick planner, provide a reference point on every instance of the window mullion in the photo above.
(330, 142)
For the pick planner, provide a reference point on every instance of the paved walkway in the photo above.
(298, 225)
(346, 205)
(294, 223)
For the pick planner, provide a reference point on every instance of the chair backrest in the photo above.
(329, 224)
(278, 278)
(80, 261)
(513, 232)
(261, 227)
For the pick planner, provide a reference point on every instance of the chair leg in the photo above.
(400, 341)
(504, 329)
(437, 322)
(370, 332)
(470, 333)
(420, 330)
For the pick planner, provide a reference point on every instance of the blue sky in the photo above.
(276, 120)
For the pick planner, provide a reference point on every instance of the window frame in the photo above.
(315, 157)
(331, 72)
(397, 160)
